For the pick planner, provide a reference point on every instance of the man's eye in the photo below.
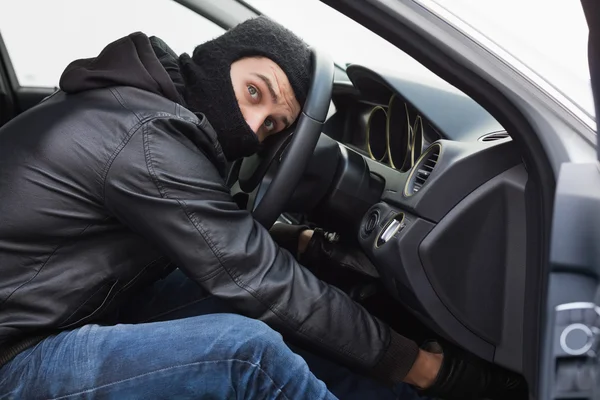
(269, 124)
(253, 92)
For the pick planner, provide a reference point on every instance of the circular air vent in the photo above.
(490, 137)
(422, 169)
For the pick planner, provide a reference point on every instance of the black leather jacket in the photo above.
(111, 179)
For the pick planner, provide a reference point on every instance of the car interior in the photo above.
(433, 189)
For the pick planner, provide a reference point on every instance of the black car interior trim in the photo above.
(8, 101)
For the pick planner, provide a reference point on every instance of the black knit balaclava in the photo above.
(208, 87)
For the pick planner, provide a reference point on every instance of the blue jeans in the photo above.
(218, 356)
(176, 341)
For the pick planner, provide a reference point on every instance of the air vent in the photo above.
(422, 170)
(490, 137)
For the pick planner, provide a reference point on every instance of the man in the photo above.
(119, 176)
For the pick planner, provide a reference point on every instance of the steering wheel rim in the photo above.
(287, 155)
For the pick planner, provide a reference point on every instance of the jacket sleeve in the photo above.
(163, 187)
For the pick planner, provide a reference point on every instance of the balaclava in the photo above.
(208, 87)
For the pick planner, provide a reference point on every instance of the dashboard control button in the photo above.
(575, 342)
(563, 318)
(392, 227)
(576, 339)
(371, 222)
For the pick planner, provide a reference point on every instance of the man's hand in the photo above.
(317, 249)
(304, 240)
(425, 369)
(293, 238)
(325, 251)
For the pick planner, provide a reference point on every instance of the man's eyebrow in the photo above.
(269, 84)
(267, 81)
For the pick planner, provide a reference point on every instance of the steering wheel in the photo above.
(270, 177)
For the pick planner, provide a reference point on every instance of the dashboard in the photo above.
(393, 132)
(435, 190)
(404, 133)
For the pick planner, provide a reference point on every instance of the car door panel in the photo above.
(572, 312)
(570, 355)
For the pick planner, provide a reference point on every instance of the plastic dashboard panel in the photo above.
(461, 168)
(459, 259)
(401, 270)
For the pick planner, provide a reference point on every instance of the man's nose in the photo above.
(255, 121)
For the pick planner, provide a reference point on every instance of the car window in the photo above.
(43, 36)
(549, 37)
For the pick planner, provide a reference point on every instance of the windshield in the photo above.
(550, 37)
(345, 40)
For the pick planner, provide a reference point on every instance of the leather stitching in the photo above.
(130, 134)
(122, 101)
(282, 315)
(106, 301)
